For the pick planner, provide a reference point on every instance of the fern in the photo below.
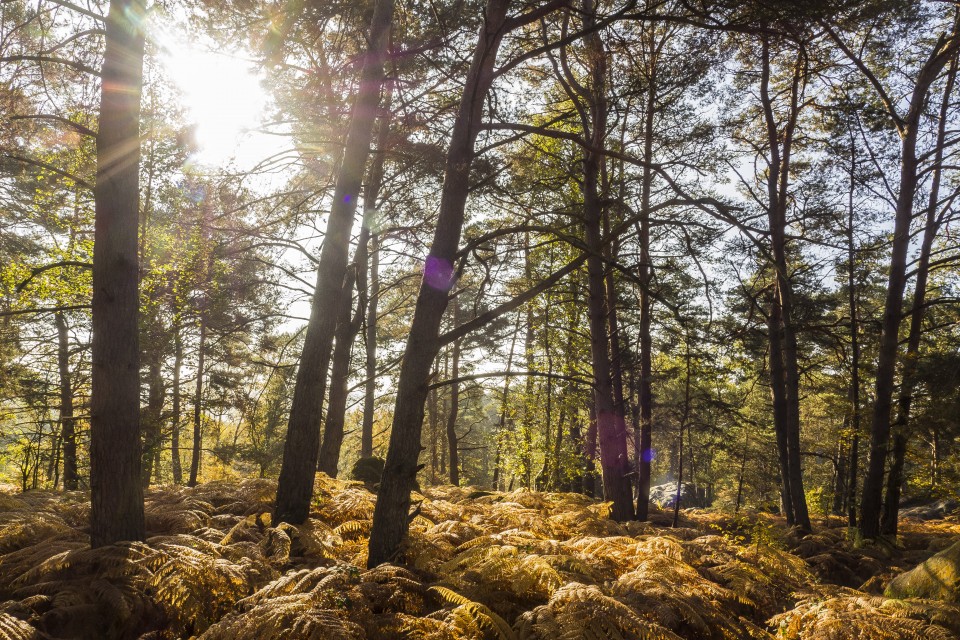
(14, 629)
(847, 614)
(468, 616)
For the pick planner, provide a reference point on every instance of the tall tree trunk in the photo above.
(198, 404)
(175, 417)
(391, 515)
(905, 398)
(777, 393)
(778, 179)
(854, 393)
(611, 427)
(152, 418)
(645, 399)
(452, 440)
(347, 328)
(371, 198)
(502, 422)
(529, 401)
(116, 494)
(295, 486)
(909, 128)
(67, 421)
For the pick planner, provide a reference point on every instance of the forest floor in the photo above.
(519, 565)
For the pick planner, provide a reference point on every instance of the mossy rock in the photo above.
(938, 578)
(367, 470)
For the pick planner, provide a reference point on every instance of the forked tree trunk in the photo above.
(905, 398)
(908, 127)
(116, 494)
(391, 515)
(301, 448)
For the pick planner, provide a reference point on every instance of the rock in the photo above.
(367, 470)
(664, 495)
(932, 511)
(938, 578)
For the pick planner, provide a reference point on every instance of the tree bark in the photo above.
(154, 415)
(905, 398)
(778, 178)
(452, 440)
(371, 199)
(198, 404)
(67, 421)
(347, 328)
(175, 417)
(295, 486)
(116, 494)
(896, 283)
(391, 515)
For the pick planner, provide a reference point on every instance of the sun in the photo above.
(225, 102)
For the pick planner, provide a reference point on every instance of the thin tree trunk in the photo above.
(116, 494)
(854, 463)
(198, 404)
(347, 328)
(67, 421)
(501, 424)
(452, 440)
(152, 417)
(175, 418)
(683, 425)
(645, 399)
(391, 516)
(371, 199)
(301, 448)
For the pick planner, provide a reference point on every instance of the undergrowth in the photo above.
(521, 565)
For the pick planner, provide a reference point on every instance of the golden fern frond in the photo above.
(353, 528)
(583, 612)
(15, 629)
(468, 615)
(291, 616)
(196, 589)
(857, 616)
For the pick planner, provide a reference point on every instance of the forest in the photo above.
(487, 319)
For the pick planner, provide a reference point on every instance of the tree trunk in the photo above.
(905, 398)
(788, 378)
(153, 416)
(116, 494)
(611, 427)
(896, 283)
(452, 440)
(175, 418)
(347, 328)
(295, 486)
(67, 422)
(198, 404)
(391, 515)
(854, 463)
(501, 424)
(371, 198)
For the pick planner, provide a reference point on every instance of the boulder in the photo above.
(664, 495)
(938, 578)
(367, 470)
(933, 511)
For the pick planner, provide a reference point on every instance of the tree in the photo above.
(301, 448)
(116, 493)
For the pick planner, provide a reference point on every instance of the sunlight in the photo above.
(226, 102)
